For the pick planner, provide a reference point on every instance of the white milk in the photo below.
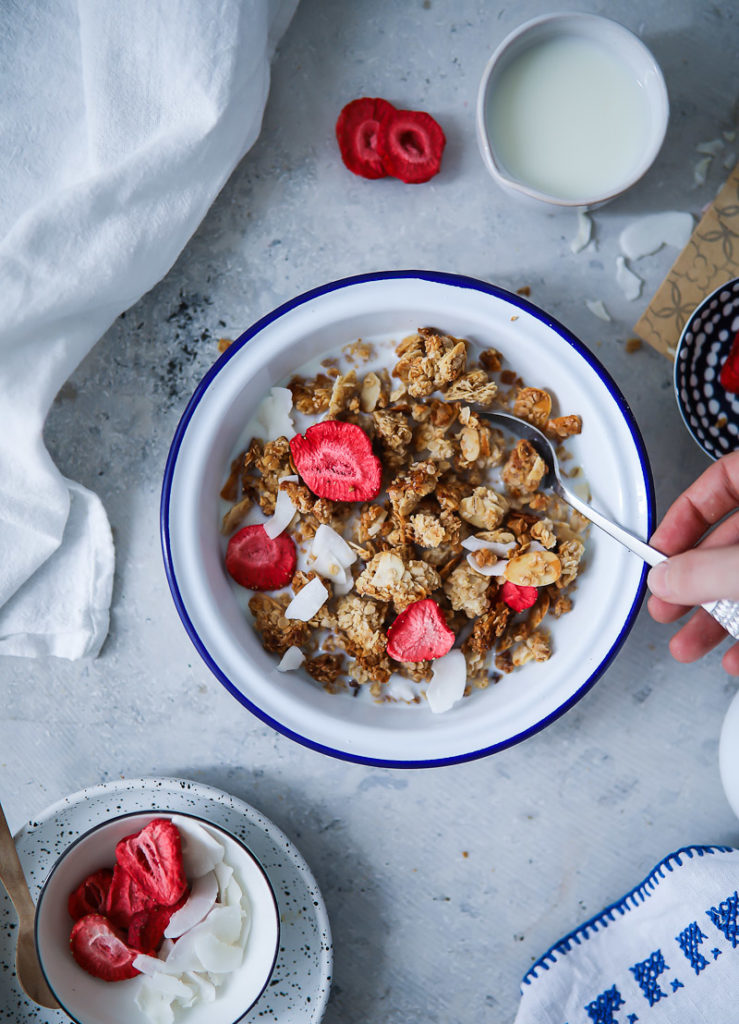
(568, 118)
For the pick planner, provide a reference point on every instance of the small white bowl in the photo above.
(377, 307)
(90, 1000)
(631, 53)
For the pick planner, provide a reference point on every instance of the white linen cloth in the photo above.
(667, 953)
(120, 123)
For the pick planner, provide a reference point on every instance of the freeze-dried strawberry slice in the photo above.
(419, 633)
(729, 376)
(410, 143)
(146, 930)
(336, 461)
(153, 859)
(90, 896)
(101, 950)
(518, 598)
(260, 562)
(125, 898)
(356, 133)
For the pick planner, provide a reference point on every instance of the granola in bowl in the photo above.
(387, 538)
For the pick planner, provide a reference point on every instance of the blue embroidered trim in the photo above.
(688, 940)
(725, 918)
(601, 1009)
(646, 973)
(628, 902)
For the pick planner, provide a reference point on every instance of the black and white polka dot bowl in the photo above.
(710, 413)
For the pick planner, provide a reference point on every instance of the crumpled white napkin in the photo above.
(120, 123)
(667, 953)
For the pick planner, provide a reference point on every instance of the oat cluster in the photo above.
(447, 475)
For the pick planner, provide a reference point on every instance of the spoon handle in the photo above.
(649, 554)
(725, 612)
(11, 872)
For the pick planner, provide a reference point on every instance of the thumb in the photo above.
(696, 576)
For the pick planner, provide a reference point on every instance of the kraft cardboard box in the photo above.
(710, 259)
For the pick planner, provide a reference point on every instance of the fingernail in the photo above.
(657, 580)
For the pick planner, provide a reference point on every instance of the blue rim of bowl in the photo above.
(162, 813)
(698, 311)
(435, 277)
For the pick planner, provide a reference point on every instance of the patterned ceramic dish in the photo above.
(710, 413)
(375, 307)
(90, 1000)
(304, 961)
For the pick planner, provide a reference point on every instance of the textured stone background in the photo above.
(442, 886)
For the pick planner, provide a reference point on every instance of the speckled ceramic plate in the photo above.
(301, 981)
(710, 413)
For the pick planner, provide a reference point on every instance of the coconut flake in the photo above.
(284, 511)
(273, 419)
(712, 148)
(496, 569)
(202, 897)
(399, 688)
(217, 957)
(584, 232)
(201, 851)
(327, 540)
(700, 171)
(729, 160)
(148, 965)
(597, 308)
(308, 601)
(205, 988)
(648, 234)
(629, 282)
(476, 543)
(448, 680)
(292, 658)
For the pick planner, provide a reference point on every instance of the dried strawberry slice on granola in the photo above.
(259, 562)
(411, 144)
(356, 133)
(336, 461)
(101, 950)
(517, 597)
(729, 376)
(419, 633)
(153, 859)
(90, 896)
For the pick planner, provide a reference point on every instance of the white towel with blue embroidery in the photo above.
(667, 953)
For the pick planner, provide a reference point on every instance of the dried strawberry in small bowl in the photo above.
(150, 917)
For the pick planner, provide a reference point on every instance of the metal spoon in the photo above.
(725, 612)
(27, 966)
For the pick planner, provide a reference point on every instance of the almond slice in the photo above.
(533, 569)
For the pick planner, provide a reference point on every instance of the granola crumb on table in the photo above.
(460, 518)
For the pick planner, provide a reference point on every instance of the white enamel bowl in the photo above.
(322, 321)
(90, 1000)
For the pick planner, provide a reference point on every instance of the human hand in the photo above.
(708, 572)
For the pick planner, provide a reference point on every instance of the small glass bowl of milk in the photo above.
(572, 110)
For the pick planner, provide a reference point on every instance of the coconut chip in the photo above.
(308, 601)
(598, 309)
(292, 658)
(629, 282)
(448, 680)
(648, 234)
(284, 511)
(273, 417)
(584, 232)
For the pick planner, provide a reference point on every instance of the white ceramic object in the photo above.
(728, 755)
(91, 1000)
(381, 306)
(619, 43)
